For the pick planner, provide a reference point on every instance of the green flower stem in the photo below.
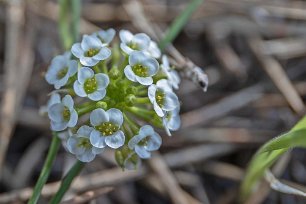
(46, 169)
(86, 109)
(142, 100)
(97, 69)
(142, 92)
(66, 182)
(116, 54)
(124, 63)
(143, 113)
(134, 127)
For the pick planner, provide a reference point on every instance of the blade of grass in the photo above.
(66, 182)
(269, 153)
(179, 23)
(46, 169)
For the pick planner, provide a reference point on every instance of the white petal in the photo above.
(88, 61)
(96, 150)
(137, 57)
(87, 156)
(116, 140)
(154, 142)
(103, 54)
(84, 131)
(146, 130)
(84, 74)
(55, 98)
(142, 40)
(68, 101)
(97, 140)
(58, 126)
(158, 110)
(73, 145)
(142, 152)
(125, 36)
(126, 49)
(78, 89)
(102, 80)
(61, 82)
(152, 65)
(129, 73)
(73, 67)
(73, 118)
(144, 80)
(151, 93)
(107, 36)
(171, 101)
(55, 112)
(174, 123)
(115, 116)
(165, 64)
(90, 42)
(153, 50)
(164, 85)
(97, 95)
(135, 140)
(98, 116)
(77, 50)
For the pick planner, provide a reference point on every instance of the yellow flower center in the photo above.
(144, 141)
(84, 142)
(66, 114)
(133, 46)
(62, 73)
(90, 85)
(140, 70)
(91, 52)
(107, 128)
(160, 98)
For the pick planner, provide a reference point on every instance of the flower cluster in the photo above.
(114, 91)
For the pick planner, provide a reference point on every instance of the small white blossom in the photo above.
(153, 50)
(162, 97)
(145, 142)
(107, 126)
(55, 98)
(90, 84)
(173, 77)
(79, 144)
(60, 70)
(130, 43)
(106, 36)
(63, 114)
(172, 120)
(141, 68)
(90, 51)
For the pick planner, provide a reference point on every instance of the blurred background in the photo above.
(254, 53)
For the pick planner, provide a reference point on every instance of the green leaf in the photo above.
(46, 169)
(179, 23)
(269, 153)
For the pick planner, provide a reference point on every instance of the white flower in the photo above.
(90, 51)
(141, 68)
(153, 50)
(130, 42)
(146, 141)
(173, 77)
(106, 36)
(107, 126)
(162, 97)
(55, 98)
(60, 70)
(79, 144)
(172, 120)
(63, 114)
(64, 136)
(90, 84)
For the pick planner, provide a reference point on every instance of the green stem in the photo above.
(142, 100)
(66, 182)
(134, 127)
(179, 23)
(46, 169)
(86, 109)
